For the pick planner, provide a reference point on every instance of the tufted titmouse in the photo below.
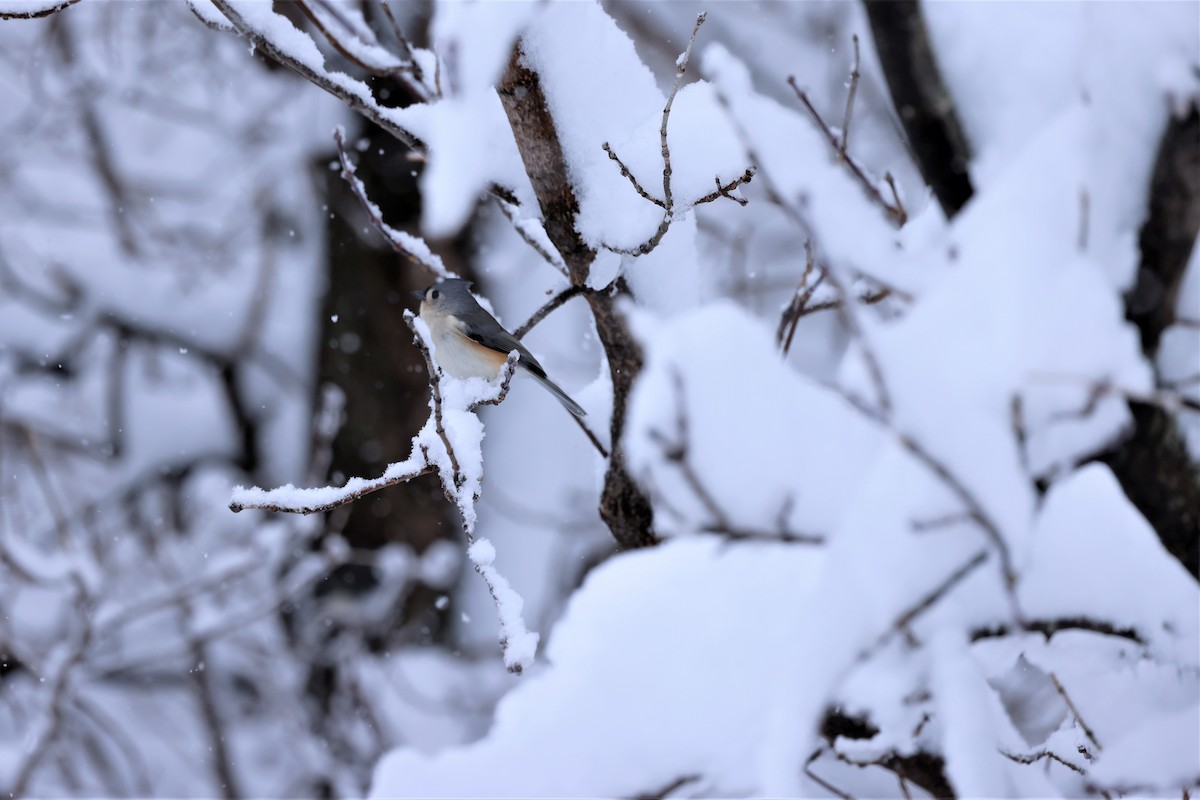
(470, 343)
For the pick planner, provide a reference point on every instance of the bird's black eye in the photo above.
(435, 294)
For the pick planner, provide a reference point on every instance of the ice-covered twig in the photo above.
(411, 247)
(667, 203)
(895, 211)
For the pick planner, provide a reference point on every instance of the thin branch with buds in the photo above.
(895, 210)
(667, 203)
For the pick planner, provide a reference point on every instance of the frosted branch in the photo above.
(34, 10)
(360, 47)
(433, 451)
(304, 59)
(533, 233)
(411, 247)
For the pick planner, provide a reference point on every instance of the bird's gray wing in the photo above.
(501, 340)
(504, 342)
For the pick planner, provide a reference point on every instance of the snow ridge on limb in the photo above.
(449, 444)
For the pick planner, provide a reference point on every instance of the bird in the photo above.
(470, 343)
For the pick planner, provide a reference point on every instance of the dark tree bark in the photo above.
(924, 105)
(1153, 464)
(623, 507)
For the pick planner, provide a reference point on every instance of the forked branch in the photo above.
(667, 202)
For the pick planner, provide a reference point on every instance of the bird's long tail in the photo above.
(562, 396)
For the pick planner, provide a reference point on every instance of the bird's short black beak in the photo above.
(418, 295)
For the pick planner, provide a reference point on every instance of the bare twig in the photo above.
(936, 523)
(824, 784)
(1033, 758)
(902, 622)
(799, 308)
(896, 202)
(411, 247)
(417, 72)
(547, 308)
(625, 172)
(1087, 731)
(680, 69)
(120, 207)
(846, 118)
(665, 791)
(40, 740)
(894, 212)
(849, 314)
(676, 452)
(723, 190)
(804, 292)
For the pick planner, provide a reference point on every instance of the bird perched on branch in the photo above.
(470, 343)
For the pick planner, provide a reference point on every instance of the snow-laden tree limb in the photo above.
(449, 446)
